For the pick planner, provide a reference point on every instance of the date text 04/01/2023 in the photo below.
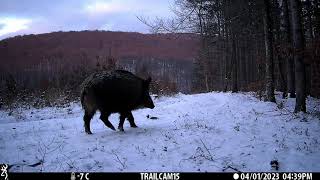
(273, 176)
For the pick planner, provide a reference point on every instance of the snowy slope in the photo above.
(202, 132)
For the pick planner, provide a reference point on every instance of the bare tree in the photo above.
(288, 41)
(298, 45)
(269, 53)
(280, 60)
(234, 66)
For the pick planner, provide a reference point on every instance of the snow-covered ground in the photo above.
(202, 132)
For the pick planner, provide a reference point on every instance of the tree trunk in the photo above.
(283, 85)
(309, 35)
(227, 49)
(226, 78)
(288, 41)
(309, 20)
(279, 59)
(234, 66)
(298, 45)
(206, 82)
(317, 19)
(269, 53)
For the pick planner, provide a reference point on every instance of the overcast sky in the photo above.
(18, 17)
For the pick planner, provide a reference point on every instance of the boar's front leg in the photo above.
(104, 117)
(131, 120)
(122, 118)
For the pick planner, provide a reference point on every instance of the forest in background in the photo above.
(222, 45)
(263, 45)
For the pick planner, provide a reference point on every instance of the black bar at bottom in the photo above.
(110, 176)
(158, 176)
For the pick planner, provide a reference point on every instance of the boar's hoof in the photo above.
(121, 129)
(112, 128)
(109, 125)
(88, 132)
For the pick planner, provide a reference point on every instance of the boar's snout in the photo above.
(151, 106)
(148, 102)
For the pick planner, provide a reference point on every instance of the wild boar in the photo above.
(115, 91)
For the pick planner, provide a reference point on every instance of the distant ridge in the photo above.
(28, 50)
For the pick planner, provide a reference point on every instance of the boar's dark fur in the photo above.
(116, 91)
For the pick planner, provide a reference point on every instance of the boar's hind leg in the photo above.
(131, 120)
(122, 118)
(104, 117)
(87, 118)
